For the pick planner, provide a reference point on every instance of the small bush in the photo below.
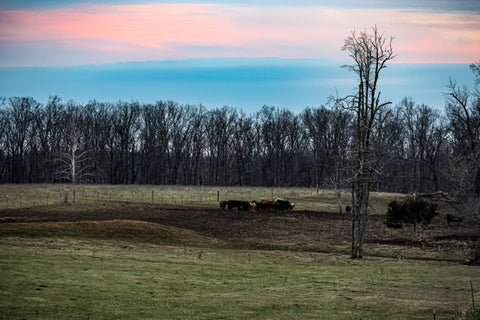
(410, 212)
(475, 254)
(473, 315)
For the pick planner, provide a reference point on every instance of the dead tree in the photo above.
(370, 53)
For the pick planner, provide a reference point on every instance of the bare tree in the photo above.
(73, 159)
(194, 144)
(126, 128)
(18, 126)
(48, 122)
(463, 112)
(4, 141)
(281, 139)
(220, 126)
(241, 145)
(329, 134)
(424, 139)
(389, 151)
(370, 53)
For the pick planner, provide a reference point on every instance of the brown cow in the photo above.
(223, 204)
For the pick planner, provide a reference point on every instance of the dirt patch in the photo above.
(205, 226)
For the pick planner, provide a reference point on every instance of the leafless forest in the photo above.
(415, 147)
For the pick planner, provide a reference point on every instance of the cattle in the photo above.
(274, 205)
(223, 204)
(262, 205)
(244, 206)
(231, 204)
(265, 205)
(453, 219)
(281, 205)
(240, 205)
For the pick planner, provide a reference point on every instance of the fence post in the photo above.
(73, 195)
(218, 196)
(473, 295)
(152, 196)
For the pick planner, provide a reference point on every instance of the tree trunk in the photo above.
(360, 197)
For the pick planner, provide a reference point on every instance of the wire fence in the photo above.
(23, 196)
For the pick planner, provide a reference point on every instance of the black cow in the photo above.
(240, 205)
(265, 205)
(244, 206)
(231, 204)
(281, 205)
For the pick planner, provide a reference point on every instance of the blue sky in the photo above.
(245, 83)
(243, 54)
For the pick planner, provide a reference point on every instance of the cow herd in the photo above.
(262, 205)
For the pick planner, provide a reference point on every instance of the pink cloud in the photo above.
(159, 31)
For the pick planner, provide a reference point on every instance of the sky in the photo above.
(243, 54)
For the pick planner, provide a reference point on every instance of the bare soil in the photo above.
(213, 227)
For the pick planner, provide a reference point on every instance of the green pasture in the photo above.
(59, 278)
(28, 195)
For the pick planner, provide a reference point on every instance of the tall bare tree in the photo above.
(328, 131)
(241, 145)
(73, 158)
(220, 125)
(370, 53)
(423, 143)
(463, 112)
(17, 129)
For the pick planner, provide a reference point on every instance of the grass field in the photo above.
(112, 259)
(19, 196)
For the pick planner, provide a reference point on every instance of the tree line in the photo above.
(414, 147)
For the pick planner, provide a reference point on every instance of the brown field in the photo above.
(203, 226)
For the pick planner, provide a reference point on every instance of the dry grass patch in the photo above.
(125, 230)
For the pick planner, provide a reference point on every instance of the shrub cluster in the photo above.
(410, 211)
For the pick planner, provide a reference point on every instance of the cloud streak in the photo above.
(106, 33)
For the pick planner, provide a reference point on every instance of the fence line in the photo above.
(173, 195)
